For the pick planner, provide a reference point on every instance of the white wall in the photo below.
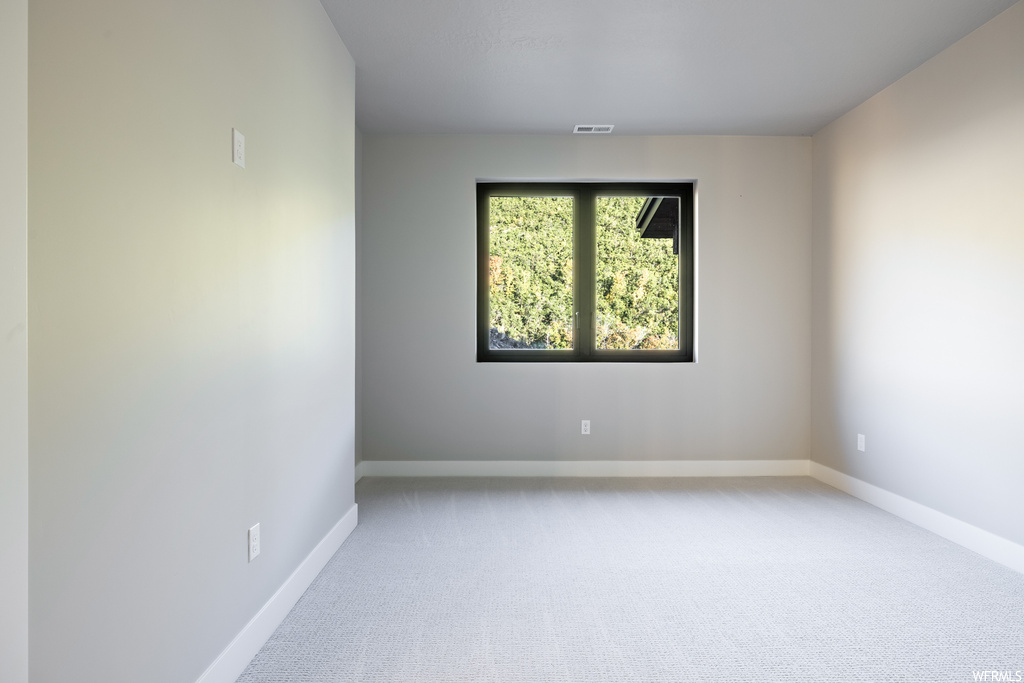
(359, 286)
(919, 283)
(13, 342)
(192, 323)
(425, 398)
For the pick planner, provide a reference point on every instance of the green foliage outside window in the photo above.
(531, 275)
(531, 270)
(637, 281)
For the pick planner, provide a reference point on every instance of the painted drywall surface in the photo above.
(13, 342)
(424, 396)
(919, 278)
(191, 365)
(359, 272)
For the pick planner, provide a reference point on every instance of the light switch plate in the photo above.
(237, 147)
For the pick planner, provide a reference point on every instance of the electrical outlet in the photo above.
(254, 542)
(585, 427)
(860, 443)
(237, 148)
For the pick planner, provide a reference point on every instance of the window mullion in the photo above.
(585, 288)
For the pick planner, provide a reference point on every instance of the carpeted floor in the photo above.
(746, 579)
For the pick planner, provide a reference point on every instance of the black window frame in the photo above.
(584, 196)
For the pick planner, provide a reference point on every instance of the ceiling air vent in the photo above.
(589, 130)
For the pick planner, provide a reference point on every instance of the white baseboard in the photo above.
(359, 471)
(983, 542)
(582, 468)
(237, 655)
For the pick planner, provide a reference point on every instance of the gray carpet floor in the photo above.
(740, 579)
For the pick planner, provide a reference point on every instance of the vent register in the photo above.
(592, 129)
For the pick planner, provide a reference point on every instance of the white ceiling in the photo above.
(751, 67)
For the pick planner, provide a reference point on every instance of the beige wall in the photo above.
(191, 366)
(919, 283)
(425, 398)
(13, 342)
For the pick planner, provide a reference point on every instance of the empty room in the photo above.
(511, 341)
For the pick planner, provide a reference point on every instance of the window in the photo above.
(578, 272)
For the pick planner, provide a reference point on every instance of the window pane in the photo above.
(637, 273)
(530, 272)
